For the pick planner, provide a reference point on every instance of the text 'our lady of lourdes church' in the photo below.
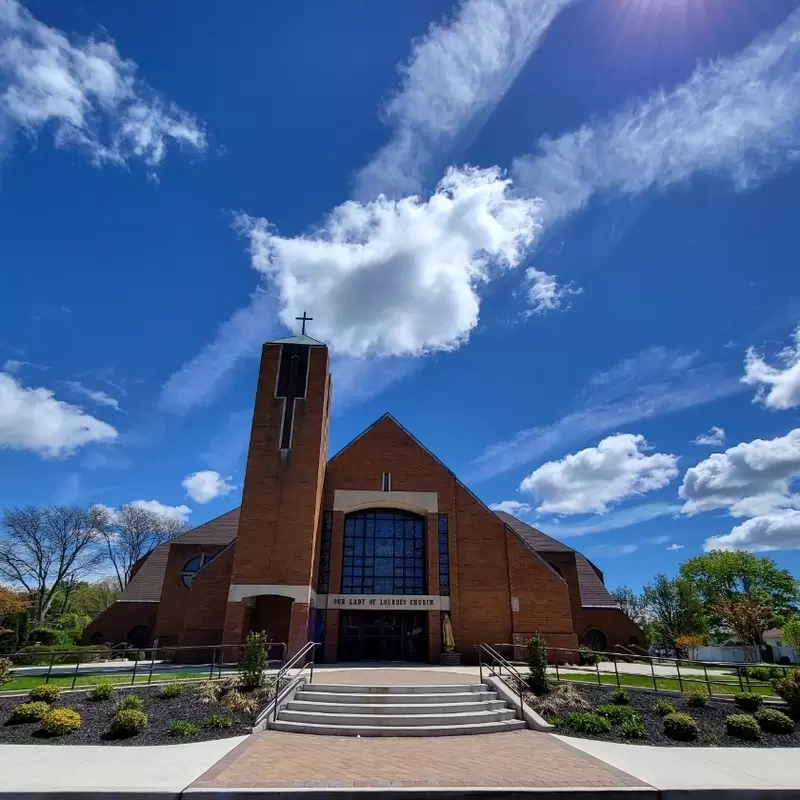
(366, 552)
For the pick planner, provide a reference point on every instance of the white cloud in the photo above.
(623, 518)
(178, 513)
(593, 479)
(659, 540)
(675, 546)
(13, 366)
(656, 382)
(714, 438)
(395, 278)
(764, 534)
(86, 93)
(752, 478)
(206, 485)
(615, 551)
(544, 293)
(32, 419)
(738, 117)
(239, 337)
(513, 507)
(455, 77)
(777, 388)
(95, 395)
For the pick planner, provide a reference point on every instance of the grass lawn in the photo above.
(718, 686)
(65, 681)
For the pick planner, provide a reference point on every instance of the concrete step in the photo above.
(341, 688)
(397, 720)
(412, 730)
(360, 697)
(392, 708)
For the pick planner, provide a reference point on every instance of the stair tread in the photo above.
(347, 688)
(419, 707)
(417, 730)
(459, 715)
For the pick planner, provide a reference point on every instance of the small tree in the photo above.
(675, 610)
(536, 652)
(633, 605)
(748, 618)
(255, 659)
(689, 643)
(791, 633)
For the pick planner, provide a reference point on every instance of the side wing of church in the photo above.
(366, 553)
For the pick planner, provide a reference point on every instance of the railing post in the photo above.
(480, 663)
(213, 664)
(680, 680)
(708, 684)
(50, 668)
(739, 676)
(75, 675)
(616, 671)
(558, 677)
(135, 665)
(152, 664)
(653, 670)
(597, 669)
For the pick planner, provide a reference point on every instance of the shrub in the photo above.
(102, 690)
(219, 721)
(743, 726)
(619, 697)
(773, 721)
(209, 692)
(788, 689)
(587, 657)
(48, 636)
(633, 729)
(695, 696)
(60, 721)
(5, 671)
(748, 701)
(562, 698)
(255, 659)
(663, 708)
(183, 728)
(48, 692)
(135, 655)
(680, 727)
(536, 656)
(588, 723)
(236, 701)
(128, 721)
(172, 690)
(29, 712)
(616, 714)
(131, 702)
(43, 654)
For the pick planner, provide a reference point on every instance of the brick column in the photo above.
(236, 619)
(298, 628)
(434, 636)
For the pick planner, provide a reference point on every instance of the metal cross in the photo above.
(304, 319)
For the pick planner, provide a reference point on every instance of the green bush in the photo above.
(536, 656)
(773, 721)
(633, 729)
(743, 726)
(788, 689)
(255, 659)
(48, 692)
(696, 697)
(680, 727)
(5, 671)
(663, 708)
(616, 714)
(49, 636)
(219, 721)
(128, 721)
(172, 690)
(588, 723)
(182, 728)
(762, 673)
(587, 657)
(619, 697)
(102, 690)
(748, 701)
(42, 654)
(60, 721)
(29, 712)
(131, 702)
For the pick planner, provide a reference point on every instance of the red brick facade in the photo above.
(501, 588)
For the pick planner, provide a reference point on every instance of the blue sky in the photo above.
(555, 238)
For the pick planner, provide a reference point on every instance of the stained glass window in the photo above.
(384, 553)
(444, 556)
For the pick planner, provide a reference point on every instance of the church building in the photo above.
(366, 552)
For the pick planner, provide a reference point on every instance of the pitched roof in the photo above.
(590, 580)
(220, 530)
(299, 338)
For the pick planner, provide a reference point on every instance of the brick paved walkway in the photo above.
(378, 676)
(521, 758)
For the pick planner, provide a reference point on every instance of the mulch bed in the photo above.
(710, 722)
(96, 719)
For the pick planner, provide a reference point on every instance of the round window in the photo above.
(192, 567)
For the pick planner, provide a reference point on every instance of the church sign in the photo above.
(384, 602)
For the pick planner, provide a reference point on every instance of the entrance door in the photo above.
(382, 636)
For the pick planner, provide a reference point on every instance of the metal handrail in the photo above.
(281, 692)
(503, 662)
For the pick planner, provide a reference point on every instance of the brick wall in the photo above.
(618, 628)
(118, 619)
(204, 615)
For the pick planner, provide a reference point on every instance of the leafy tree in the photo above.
(674, 608)
(748, 617)
(632, 604)
(130, 532)
(721, 576)
(689, 643)
(42, 548)
(791, 633)
(89, 599)
(12, 605)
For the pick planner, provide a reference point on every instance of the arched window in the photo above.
(596, 640)
(384, 553)
(192, 567)
(139, 636)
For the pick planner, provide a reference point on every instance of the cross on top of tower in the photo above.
(304, 319)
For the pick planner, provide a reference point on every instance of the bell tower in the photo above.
(271, 585)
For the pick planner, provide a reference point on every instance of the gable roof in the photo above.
(299, 338)
(220, 530)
